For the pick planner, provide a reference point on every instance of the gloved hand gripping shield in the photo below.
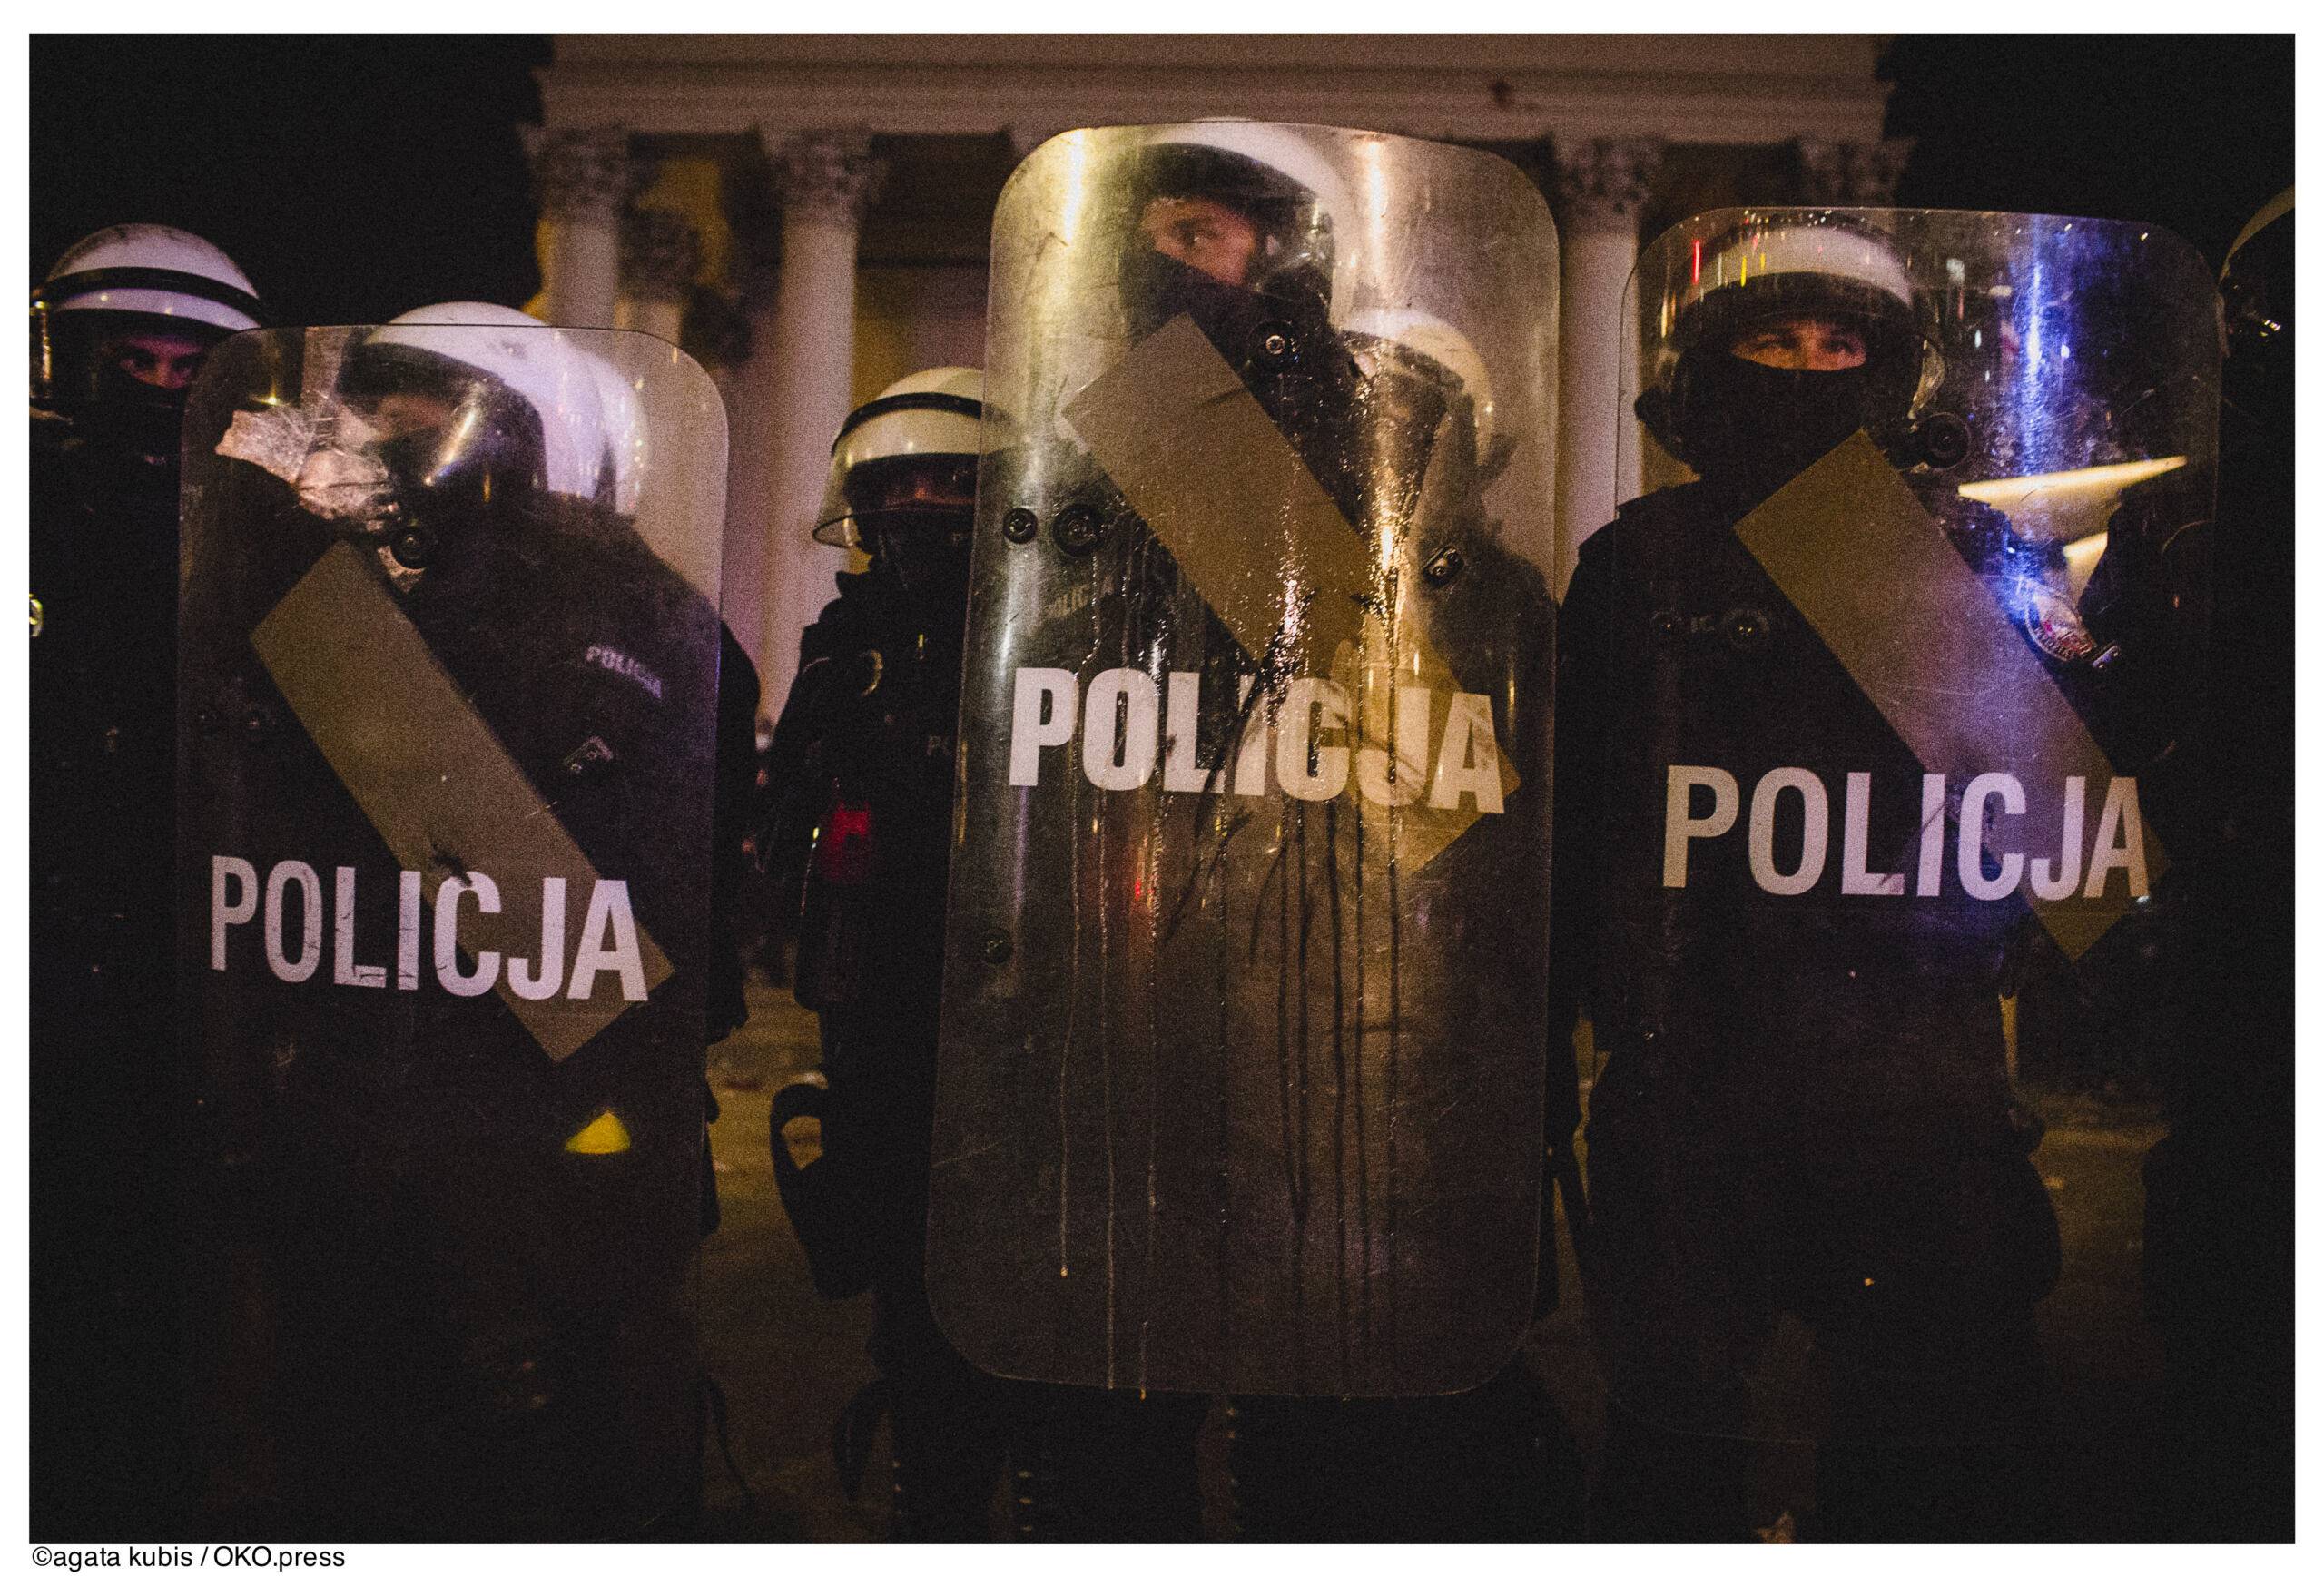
(1240, 1085)
(1872, 706)
(448, 638)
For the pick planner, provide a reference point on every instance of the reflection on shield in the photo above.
(1241, 1079)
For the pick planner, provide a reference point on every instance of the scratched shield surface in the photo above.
(1241, 1079)
(1884, 793)
(448, 656)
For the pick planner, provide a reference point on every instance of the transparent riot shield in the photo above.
(1240, 1085)
(448, 655)
(1871, 712)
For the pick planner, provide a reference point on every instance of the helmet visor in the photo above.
(119, 356)
(919, 484)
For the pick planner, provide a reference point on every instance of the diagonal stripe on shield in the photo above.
(1207, 469)
(430, 774)
(1920, 633)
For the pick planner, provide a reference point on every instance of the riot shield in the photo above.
(1871, 707)
(1240, 1084)
(448, 658)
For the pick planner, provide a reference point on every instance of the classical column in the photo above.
(752, 429)
(583, 177)
(828, 178)
(1602, 184)
(660, 253)
(1851, 174)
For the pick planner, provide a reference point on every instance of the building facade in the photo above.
(810, 216)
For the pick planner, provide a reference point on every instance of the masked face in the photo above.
(925, 552)
(1208, 259)
(915, 513)
(1771, 397)
(122, 377)
(159, 360)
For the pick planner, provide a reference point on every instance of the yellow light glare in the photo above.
(2065, 506)
(606, 1135)
(2002, 490)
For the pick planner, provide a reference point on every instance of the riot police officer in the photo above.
(2218, 1188)
(119, 328)
(860, 780)
(1238, 233)
(445, 580)
(1801, 1110)
(1203, 969)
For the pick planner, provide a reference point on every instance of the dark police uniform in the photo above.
(106, 1357)
(478, 1329)
(2220, 1187)
(1803, 1107)
(861, 776)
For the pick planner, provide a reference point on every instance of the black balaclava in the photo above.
(919, 545)
(922, 555)
(1157, 288)
(1736, 421)
(127, 431)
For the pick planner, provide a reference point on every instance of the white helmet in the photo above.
(99, 323)
(931, 417)
(1433, 339)
(540, 367)
(1784, 263)
(152, 268)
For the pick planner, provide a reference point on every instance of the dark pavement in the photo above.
(788, 1361)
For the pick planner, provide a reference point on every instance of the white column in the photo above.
(1851, 174)
(753, 419)
(1600, 185)
(583, 177)
(828, 178)
(660, 253)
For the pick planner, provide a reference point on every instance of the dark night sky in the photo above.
(2191, 134)
(350, 177)
(356, 177)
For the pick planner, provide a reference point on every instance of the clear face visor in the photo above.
(933, 485)
(914, 484)
(1235, 215)
(81, 353)
(429, 417)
